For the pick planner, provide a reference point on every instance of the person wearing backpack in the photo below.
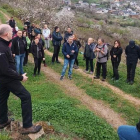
(132, 52)
(116, 53)
(69, 51)
(56, 40)
(38, 54)
(102, 56)
(89, 54)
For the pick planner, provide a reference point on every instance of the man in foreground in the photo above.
(10, 82)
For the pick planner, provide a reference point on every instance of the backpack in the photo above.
(107, 55)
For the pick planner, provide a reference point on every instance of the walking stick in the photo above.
(95, 66)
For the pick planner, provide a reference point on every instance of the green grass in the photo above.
(118, 104)
(4, 135)
(66, 114)
(2, 18)
(19, 22)
(133, 90)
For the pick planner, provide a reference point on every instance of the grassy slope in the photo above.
(129, 89)
(67, 115)
(96, 91)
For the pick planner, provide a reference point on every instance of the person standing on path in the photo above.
(19, 46)
(132, 55)
(38, 54)
(78, 44)
(24, 34)
(89, 55)
(10, 82)
(69, 51)
(56, 40)
(102, 51)
(116, 53)
(46, 35)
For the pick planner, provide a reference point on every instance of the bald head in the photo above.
(5, 32)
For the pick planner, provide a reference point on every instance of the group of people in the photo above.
(32, 40)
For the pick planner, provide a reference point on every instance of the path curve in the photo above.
(135, 101)
(97, 106)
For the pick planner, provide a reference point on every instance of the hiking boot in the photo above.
(58, 62)
(32, 130)
(96, 77)
(103, 80)
(131, 83)
(70, 77)
(61, 78)
(34, 75)
(5, 124)
(76, 67)
(45, 65)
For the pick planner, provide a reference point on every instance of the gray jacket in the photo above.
(102, 58)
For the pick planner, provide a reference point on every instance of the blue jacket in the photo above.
(56, 39)
(66, 50)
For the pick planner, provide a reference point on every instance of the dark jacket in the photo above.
(27, 23)
(56, 39)
(12, 23)
(41, 41)
(67, 36)
(132, 53)
(77, 43)
(7, 66)
(118, 52)
(88, 53)
(66, 50)
(15, 45)
(37, 50)
(37, 31)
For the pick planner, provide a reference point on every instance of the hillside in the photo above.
(77, 109)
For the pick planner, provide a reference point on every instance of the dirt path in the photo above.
(6, 16)
(135, 101)
(96, 106)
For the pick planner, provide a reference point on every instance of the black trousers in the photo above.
(131, 71)
(17, 89)
(26, 57)
(76, 60)
(37, 62)
(56, 53)
(104, 69)
(88, 60)
(115, 66)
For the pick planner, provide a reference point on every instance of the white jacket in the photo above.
(46, 33)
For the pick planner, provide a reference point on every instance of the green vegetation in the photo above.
(99, 92)
(67, 115)
(2, 18)
(4, 136)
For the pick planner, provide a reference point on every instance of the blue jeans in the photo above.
(66, 62)
(126, 132)
(19, 63)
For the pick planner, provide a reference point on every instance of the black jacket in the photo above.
(7, 66)
(118, 52)
(88, 53)
(66, 50)
(56, 39)
(15, 45)
(12, 23)
(37, 50)
(77, 43)
(132, 53)
(67, 36)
